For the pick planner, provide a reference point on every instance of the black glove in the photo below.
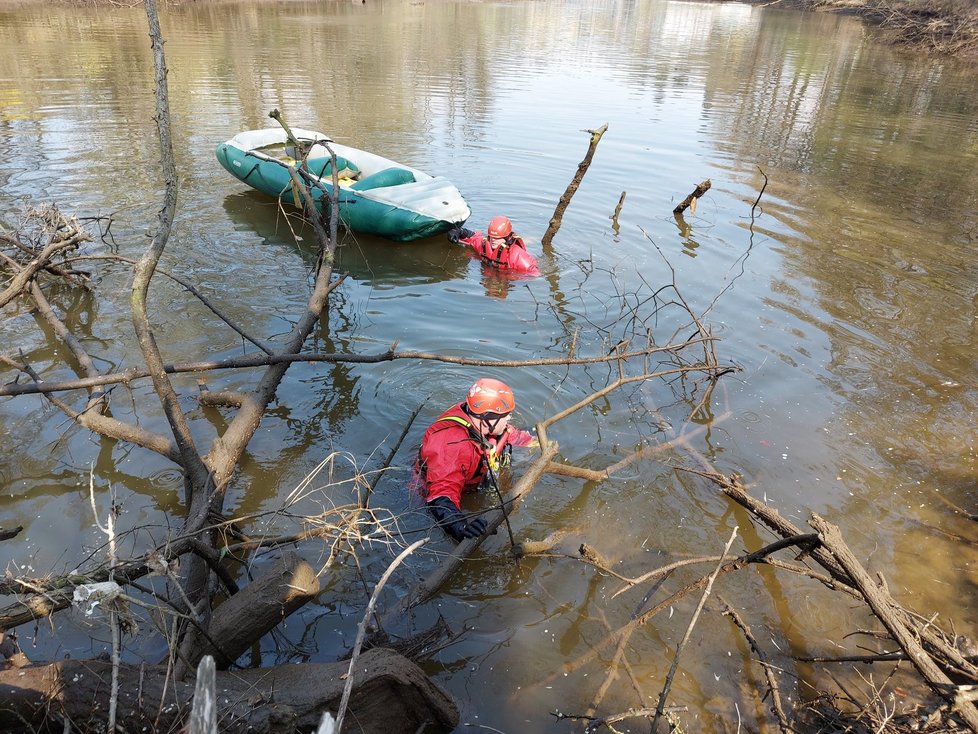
(449, 517)
(459, 233)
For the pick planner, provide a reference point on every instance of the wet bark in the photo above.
(701, 188)
(248, 615)
(391, 695)
(889, 613)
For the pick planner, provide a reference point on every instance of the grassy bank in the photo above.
(942, 27)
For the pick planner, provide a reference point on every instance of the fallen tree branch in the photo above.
(883, 607)
(24, 276)
(190, 288)
(637, 621)
(249, 614)
(286, 358)
(362, 628)
(772, 682)
(935, 641)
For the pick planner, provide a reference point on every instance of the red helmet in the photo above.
(490, 396)
(500, 227)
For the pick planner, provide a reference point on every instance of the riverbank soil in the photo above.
(941, 27)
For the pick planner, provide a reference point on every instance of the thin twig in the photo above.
(362, 629)
(109, 530)
(282, 358)
(675, 661)
(772, 681)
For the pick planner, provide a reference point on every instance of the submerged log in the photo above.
(391, 695)
(256, 609)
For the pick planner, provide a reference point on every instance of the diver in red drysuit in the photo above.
(500, 248)
(460, 448)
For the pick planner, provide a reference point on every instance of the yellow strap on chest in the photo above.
(492, 456)
(456, 419)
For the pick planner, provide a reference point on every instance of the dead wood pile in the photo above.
(391, 695)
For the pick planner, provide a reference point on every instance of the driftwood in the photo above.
(391, 695)
(565, 199)
(936, 655)
(24, 276)
(661, 707)
(362, 628)
(690, 201)
(938, 645)
(252, 612)
(640, 619)
(884, 607)
(772, 682)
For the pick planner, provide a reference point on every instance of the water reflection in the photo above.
(371, 260)
(686, 232)
(497, 283)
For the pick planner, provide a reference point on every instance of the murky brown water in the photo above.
(851, 306)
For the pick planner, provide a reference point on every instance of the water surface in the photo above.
(846, 295)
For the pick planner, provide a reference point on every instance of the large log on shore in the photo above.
(391, 695)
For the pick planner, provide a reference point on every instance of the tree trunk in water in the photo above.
(391, 695)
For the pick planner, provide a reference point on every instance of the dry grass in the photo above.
(941, 27)
(947, 27)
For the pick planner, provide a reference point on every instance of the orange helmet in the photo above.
(500, 227)
(490, 396)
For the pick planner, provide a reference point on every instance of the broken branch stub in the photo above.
(572, 187)
(701, 188)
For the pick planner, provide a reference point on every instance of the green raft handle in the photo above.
(253, 169)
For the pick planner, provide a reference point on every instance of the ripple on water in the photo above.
(167, 479)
